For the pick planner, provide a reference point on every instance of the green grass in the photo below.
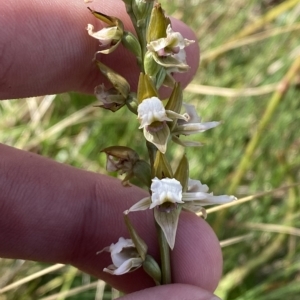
(264, 265)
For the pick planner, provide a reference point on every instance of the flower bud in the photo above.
(132, 44)
(152, 268)
(141, 11)
(150, 65)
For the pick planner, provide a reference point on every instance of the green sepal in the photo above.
(119, 82)
(182, 173)
(168, 222)
(158, 138)
(161, 167)
(152, 268)
(139, 243)
(109, 20)
(146, 88)
(175, 101)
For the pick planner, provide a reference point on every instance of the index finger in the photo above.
(46, 49)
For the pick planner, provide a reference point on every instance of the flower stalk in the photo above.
(164, 256)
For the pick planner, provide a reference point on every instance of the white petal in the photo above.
(165, 190)
(122, 243)
(207, 199)
(127, 266)
(107, 249)
(105, 35)
(173, 115)
(140, 205)
(127, 253)
(197, 186)
(156, 46)
(192, 114)
(191, 128)
(184, 143)
(195, 207)
(171, 62)
(180, 56)
(222, 199)
(151, 110)
(172, 40)
(181, 42)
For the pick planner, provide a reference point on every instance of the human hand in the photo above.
(57, 213)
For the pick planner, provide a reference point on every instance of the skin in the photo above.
(52, 212)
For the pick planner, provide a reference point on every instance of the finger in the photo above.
(174, 292)
(57, 213)
(45, 49)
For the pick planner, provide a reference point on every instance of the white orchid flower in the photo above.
(169, 52)
(109, 37)
(124, 256)
(167, 199)
(153, 116)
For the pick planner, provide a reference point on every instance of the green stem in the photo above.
(140, 29)
(164, 256)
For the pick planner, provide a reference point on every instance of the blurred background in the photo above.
(249, 77)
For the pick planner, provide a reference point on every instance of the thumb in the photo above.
(172, 291)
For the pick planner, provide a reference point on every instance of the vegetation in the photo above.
(248, 78)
